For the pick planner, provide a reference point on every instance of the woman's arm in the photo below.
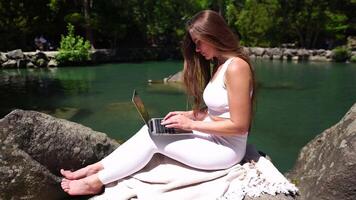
(238, 84)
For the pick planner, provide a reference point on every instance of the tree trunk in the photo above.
(88, 30)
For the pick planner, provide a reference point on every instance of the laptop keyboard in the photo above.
(162, 129)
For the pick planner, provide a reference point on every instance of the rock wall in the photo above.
(290, 54)
(326, 166)
(42, 59)
(19, 59)
(35, 146)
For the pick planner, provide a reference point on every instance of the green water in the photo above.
(295, 101)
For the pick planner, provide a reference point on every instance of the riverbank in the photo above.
(46, 59)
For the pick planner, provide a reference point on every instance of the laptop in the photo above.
(154, 124)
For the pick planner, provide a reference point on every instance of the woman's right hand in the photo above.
(188, 114)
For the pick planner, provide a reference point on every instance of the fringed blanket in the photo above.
(164, 178)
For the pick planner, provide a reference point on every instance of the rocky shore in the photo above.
(46, 59)
(290, 54)
(18, 59)
(34, 146)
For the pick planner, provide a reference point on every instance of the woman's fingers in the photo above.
(177, 121)
(170, 114)
(171, 119)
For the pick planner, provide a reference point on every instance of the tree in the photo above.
(314, 20)
(79, 14)
(256, 21)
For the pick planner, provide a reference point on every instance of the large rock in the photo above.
(178, 77)
(326, 166)
(35, 146)
(289, 53)
(40, 59)
(257, 51)
(351, 43)
(15, 54)
(303, 54)
(21, 177)
(3, 57)
(319, 58)
(52, 63)
(10, 64)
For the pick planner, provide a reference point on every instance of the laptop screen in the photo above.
(140, 107)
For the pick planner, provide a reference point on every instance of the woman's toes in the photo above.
(89, 185)
(65, 184)
(66, 173)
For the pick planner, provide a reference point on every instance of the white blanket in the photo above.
(164, 178)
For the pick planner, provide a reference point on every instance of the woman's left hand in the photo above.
(178, 121)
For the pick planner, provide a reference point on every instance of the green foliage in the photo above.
(340, 54)
(73, 48)
(144, 23)
(353, 59)
(336, 24)
(256, 21)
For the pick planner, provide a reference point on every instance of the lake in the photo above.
(295, 101)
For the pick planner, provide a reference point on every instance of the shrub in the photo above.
(353, 59)
(73, 48)
(340, 54)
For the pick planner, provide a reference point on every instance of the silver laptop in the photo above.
(154, 124)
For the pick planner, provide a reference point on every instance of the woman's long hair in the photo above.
(209, 27)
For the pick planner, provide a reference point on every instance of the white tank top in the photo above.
(215, 94)
(216, 98)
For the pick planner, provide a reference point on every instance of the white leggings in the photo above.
(199, 150)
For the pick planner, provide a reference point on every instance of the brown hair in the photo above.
(209, 27)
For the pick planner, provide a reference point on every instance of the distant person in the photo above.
(38, 44)
(220, 130)
(41, 43)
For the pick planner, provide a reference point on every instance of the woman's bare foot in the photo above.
(83, 172)
(85, 186)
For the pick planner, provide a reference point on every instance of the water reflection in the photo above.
(43, 90)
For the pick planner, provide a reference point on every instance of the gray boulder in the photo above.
(15, 54)
(257, 51)
(51, 54)
(178, 77)
(289, 53)
(35, 146)
(30, 65)
(10, 64)
(40, 59)
(320, 52)
(319, 58)
(351, 42)
(329, 54)
(326, 166)
(277, 53)
(303, 54)
(52, 63)
(21, 177)
(3, 57)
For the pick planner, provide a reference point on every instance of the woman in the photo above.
(219, 130)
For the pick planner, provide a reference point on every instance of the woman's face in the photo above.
(202, 47)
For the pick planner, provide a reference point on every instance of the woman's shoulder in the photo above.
(238, 67)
